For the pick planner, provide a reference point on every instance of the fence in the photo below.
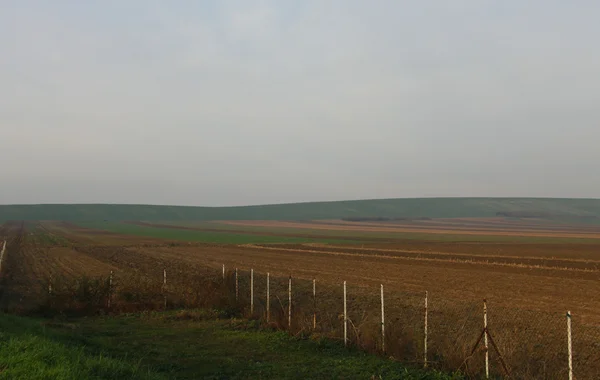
(421, 329)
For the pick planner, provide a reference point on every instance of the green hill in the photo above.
(584, 210)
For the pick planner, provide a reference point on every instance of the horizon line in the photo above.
(296, 202)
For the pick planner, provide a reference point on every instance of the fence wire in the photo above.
(522, 344)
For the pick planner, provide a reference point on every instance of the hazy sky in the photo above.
(245, 102)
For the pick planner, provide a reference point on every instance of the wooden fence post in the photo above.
(223, 272)
(251, 292)
(382, 322)
(110, 281)
(314, 304)
(569, 345)
(237, 286)
(290, 303)
(345, 318)
(268, 298)
(426, 331)
(165, 287)
(485, 341)
(2, 255)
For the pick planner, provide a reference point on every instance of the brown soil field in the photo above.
(487, 223)
(30, 264)
(435, 227)
(529, 287)
(81, 235)
(548, 277)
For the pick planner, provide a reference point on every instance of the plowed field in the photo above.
(547, 279)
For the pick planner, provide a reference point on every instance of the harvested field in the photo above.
(454, 227)
(529, 286)
(31, 261)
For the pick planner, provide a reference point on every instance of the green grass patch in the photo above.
(45, 238)
(198, 345)
(224, 237)
(29, 350)
(361, 237)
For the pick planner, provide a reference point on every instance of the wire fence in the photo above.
(423, 329)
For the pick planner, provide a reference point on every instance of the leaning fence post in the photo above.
(251, 291)
(237, 286)
(345, 318)
(314, 304)
(425, 331)
(569, 344)
(268, 298)
(485, 340)
(290, 303)
(382, 322)
(110, 281)
(165, 287)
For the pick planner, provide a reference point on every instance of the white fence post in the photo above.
(290, 303)
(345, 318)
(485, 341)
(223, 272)
(382, 322)
(268, 298)
(570, 347)
(314, 304)
(426, 331)
(251, 291)
(237, 286)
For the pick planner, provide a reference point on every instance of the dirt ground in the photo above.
(545, 277)
(547, 289)
(529, 287)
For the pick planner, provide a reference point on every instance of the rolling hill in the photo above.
(573, 210)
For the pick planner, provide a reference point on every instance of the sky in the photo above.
(242, 102)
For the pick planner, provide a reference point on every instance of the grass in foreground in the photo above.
(29, 350)
(179, 345)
